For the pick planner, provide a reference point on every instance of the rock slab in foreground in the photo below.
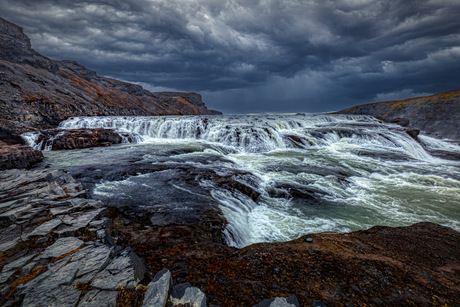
(158, 289)
(49, 248)
(185, 294)
(280, 302)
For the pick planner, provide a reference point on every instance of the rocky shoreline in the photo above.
(435, 115)
(60, 247)
(18, 156)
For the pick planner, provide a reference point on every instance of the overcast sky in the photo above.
(257, 55)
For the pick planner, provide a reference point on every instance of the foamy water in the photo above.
(314, 173)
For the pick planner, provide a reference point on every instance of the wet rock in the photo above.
(297, 141)
(62, 246)
(280, 302)
(318, 303)
(404, 122)
(59, 139)
(97, 298)
(454, 156)
(126, 270)
(18, 156)
(184, 294)
(413, 133)
(156, 294)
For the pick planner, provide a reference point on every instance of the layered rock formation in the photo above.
(437, 115)
(383, 266)
(18, 156)
(57, 139)
(38, 93)
(58, 247)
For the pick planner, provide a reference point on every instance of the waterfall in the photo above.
(265, 133)
(275, 177)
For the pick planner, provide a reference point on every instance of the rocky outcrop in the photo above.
(382, 266)
(58, 139)
(156, 294)
(57, 247)
(38, 93)
(187, 295)
(15, 47)
(18, 156)
(280, 302)
(437, 115)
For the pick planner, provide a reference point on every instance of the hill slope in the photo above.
(438, 114)
(38, 93)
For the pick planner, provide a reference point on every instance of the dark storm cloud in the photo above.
(259, 55)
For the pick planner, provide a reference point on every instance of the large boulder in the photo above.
(57, 139)
(18, 156)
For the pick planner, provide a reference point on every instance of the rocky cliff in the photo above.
(38, 93)
(437, 115)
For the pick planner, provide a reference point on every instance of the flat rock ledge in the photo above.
(18, 156)
(56, 246)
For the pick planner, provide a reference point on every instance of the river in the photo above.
(273, 177)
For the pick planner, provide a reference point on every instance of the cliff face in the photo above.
(437, 115)
(38, 93)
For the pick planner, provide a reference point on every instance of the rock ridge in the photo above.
(39, 93)
(437, 115)
(18, 156)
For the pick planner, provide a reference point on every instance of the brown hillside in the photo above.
(38, 93)
(438, 114)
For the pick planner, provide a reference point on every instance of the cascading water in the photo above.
(276, 177)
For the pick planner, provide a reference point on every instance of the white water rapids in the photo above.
(313, 173)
